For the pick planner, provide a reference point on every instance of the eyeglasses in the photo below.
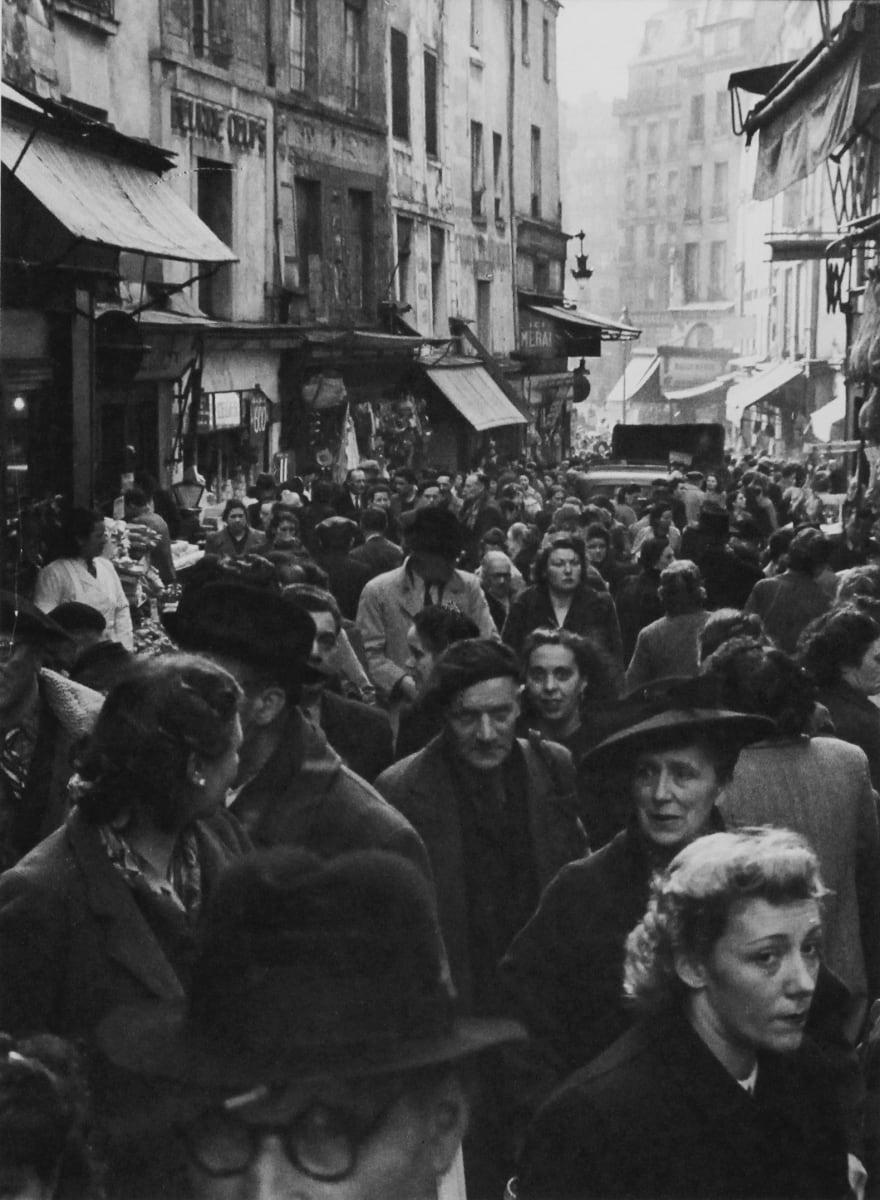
(322, 1142)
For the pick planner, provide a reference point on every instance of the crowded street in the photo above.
(431, 767)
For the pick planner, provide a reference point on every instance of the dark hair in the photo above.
(312, 573)
(374, 520)
(438, 627)
(76, 525)
(466, 663)
(598, 531)
(764, 681)
(651, 552)
(160, 712)
(727, 623)
(381, 485)
(808, 550)
(404, 473)
(835, 640)
(283, 512)
(231, 506)
(323, 492)
(135, 498)
(45, 1115)
(656, 511)
(559, 541)
(494, 537)
(592, 661)
(313, 600)
(681, 588)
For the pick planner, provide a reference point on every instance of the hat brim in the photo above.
(205, 642)
(672, 728)
(151, 1039)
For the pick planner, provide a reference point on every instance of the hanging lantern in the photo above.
(580, 383)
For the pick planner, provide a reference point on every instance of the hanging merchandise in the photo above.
(864, 356)
(348, 455)
(324, 391)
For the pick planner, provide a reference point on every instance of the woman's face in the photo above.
(563, 571)
(596, 550)
(93, 545)
(739, 501)
(667, 556)
(286, 533)
(554, 683)
(755, 987)
(420, 661)
(711, 483)
(866, 676)
(674, 793)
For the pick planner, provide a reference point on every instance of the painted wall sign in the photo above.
(216, 123)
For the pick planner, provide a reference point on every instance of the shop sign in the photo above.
(539, 336)
(217, 123)
(227, 410)
(259, 412)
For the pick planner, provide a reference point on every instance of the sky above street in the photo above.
(595, 41)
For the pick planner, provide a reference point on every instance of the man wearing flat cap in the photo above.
(678, 748)
(293, 788)
(428, 576)
(318, 1054)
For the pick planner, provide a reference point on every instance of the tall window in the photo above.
(651, 190)
(307, 197)
(671, 189)
(476, 23)
(717, 270)
(693, 200)
(545, 48)
(536, 171)
(719, 189)
(405, 282)
(438, 282)
(360, 250)
(628, 241)
(497, 175)
(432, 146)
(297, 45)
(722, 110)
(214, 206)
(650, 241)
(672, 137)
(691, 272)
(201, 28)
(478, 169)
(653, 143)
(629, 191)
(696, 128)
(352, 53)
(633, 144)
(399, 85)
(524, 30)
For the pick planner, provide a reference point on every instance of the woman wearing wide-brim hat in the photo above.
(319, 1049)
(677, 750)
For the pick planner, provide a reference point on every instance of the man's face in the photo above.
(402, 485)
(266, 515)
(272, 1147)
(444, 483)
(472, 487)
(674, 792)
(357, 482)
(237, 521)
(430, 497)
(497, 575)
(481, 723)
(325, 642)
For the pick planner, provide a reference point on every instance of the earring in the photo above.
(199, 781)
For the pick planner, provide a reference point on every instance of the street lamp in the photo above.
(624, 320)
(582, 271)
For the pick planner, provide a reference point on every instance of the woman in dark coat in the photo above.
(715, 1092)
(561, 598)
(236, 538)
(841, 650)
(106, 909)
(638, 600)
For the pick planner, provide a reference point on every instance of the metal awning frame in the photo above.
(609, 331)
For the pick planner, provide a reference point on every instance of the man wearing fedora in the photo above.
(318, 1054)
(564, 971)
(293, 788)
(428, 576)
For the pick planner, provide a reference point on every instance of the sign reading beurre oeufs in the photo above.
(216, 123)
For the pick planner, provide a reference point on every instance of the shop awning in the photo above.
(823, 420)
(819, 105)
(579, 321)
(800, 247)
(476, 395)
(700, 391)
(640, 381)
(766, 385)
(108, 201)
(240, 370)
(760, 80)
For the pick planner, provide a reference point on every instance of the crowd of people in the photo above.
(454, 834)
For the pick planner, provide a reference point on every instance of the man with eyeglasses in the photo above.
(318, 1055)
(498, 816)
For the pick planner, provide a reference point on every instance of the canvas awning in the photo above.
(700, 391)
(640, 381)
(477, 397)
(579, 321)
(823, 420)
(821, 104)
(107, 201)
(766, 385)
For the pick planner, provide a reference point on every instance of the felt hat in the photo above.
(666, 712)
(73, 617)
(21, 618)
(435, 531)
(244, 622)
(715, 521)
(307, 966)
